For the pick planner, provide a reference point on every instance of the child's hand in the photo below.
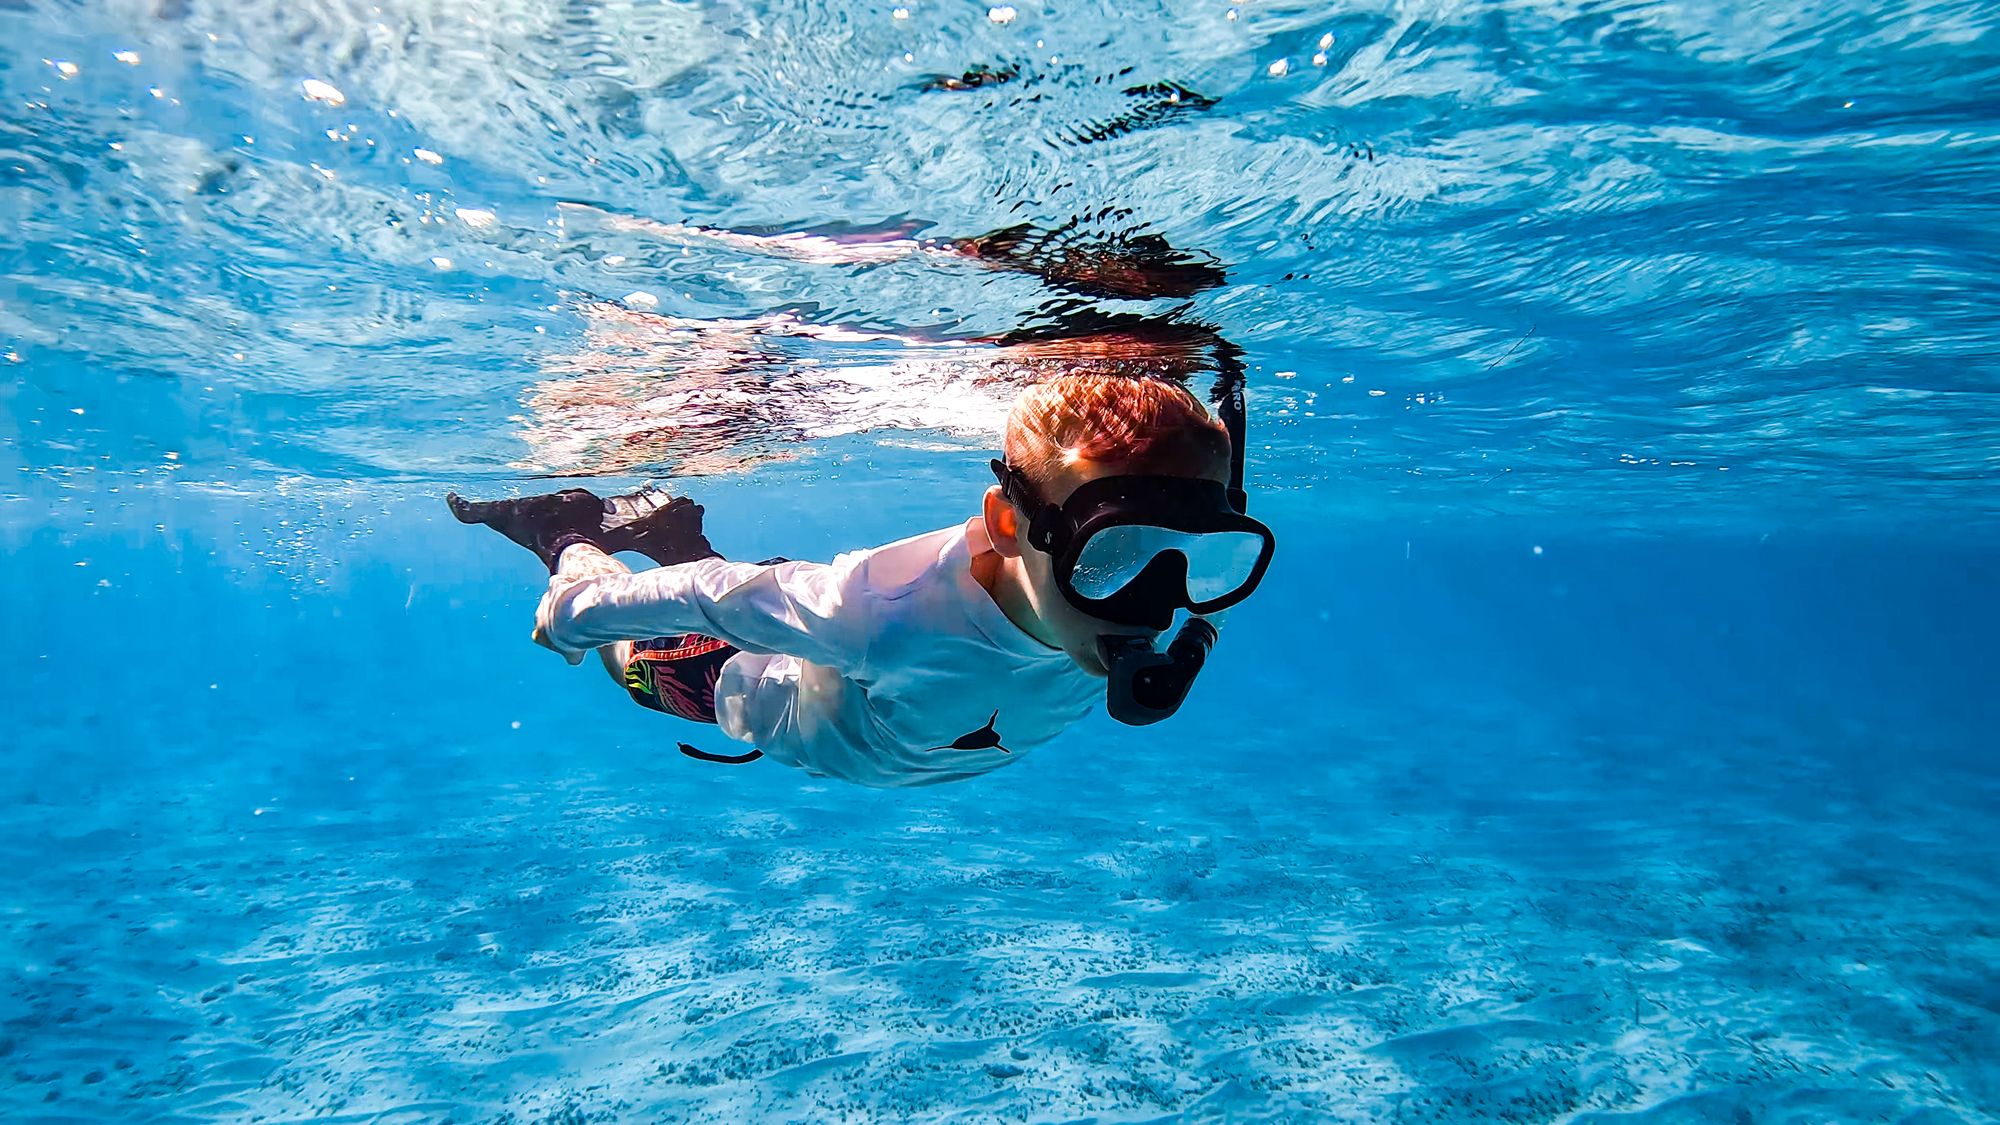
(541, 637)
(545, 619)
(578, 562)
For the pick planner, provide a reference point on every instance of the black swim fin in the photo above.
(664, 528)
(542, 524)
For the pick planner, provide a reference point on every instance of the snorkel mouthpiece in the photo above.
(1146, 685)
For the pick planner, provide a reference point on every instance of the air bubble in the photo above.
(316, 90)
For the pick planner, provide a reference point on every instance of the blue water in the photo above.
(1613, 740)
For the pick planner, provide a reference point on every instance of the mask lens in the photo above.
(1218, 563)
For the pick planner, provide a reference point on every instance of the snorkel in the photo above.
(1147, 685)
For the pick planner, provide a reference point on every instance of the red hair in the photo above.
(1138, 424)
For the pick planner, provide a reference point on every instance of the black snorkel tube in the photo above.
(1146, 685)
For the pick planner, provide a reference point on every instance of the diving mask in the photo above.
(1136, 549)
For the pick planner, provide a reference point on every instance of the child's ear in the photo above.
(1002, 524)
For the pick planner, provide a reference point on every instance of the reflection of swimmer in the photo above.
(647, 392)
(1078, 255)
(937, 657)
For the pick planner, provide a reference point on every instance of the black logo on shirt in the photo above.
(985, 738)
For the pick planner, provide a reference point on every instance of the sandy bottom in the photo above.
(1606, 930)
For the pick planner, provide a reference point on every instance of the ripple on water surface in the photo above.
(1639, 262)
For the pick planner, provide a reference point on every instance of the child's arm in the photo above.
(793, 608)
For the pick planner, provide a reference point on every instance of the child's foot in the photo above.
(542, 524)
(664, 528)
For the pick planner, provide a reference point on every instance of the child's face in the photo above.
(1070, 629)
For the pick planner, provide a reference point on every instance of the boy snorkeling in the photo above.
(1118, 503)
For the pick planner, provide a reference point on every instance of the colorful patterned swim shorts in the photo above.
(676, 675)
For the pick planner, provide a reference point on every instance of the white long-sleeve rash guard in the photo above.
(886, 667)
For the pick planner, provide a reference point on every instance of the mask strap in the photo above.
(1044, 520)
(1227, 395)
(725, 759)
